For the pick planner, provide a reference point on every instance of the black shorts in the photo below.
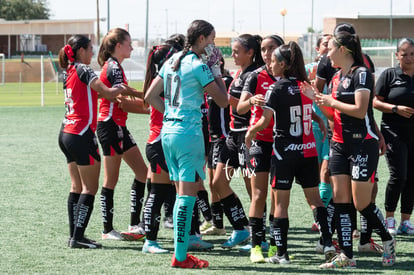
(156, 158)
(305, 171)
(259, 156)
(234, 150)
(114, 138)
(216, 147)
(81, 149)
(359, 160)
(206, 137)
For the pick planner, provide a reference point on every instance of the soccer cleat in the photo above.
(355, 234)
(205, 225)
(256, 255)
(272, 251)
(196, 243)
(112, 235)
(137, 229)
(389, 255)
(153, 247)
(189, 262)
(237, 237)
(128, 236)
(276, 259)
(329, 252)
(340, 261)
(390, 221)
(84, 243)
(406, 228)
(214, 231)
(370, 247)
(315, 227)
(168, 223)
(248, 247)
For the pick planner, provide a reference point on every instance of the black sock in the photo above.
(83, 214)
(107, 209)
(366, 231)
(242, 214)
(256, 226)
(169, 200)
(195, 222)
(344, 227)
(203, 204)
(331, 219)
(72, 205)
(152, 210)
(264, 224)
(376, 221)
(320, 214)
(271, 229)
(353, 217)
(148, 185)
(137, 200)
(217, 214)
(231, 207)
(280, 231)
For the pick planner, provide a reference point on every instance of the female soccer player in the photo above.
(259, 154)
(116, 141)
(294, 150)
(77, 138)
(183, 79)
(246, 54)
(354, 146)
(394, 98)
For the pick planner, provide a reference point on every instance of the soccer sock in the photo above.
(325, 191)
(195, 221)
(72, 205)
(331, 219)
(271, 229)
(376, 221)
(107, 209)
(83, 214)
(217, 214)
(366, 233)
(256, 225)
(204, 205)
(280, 230)
(242, 214)
(184, 206)
(320, 214)
(264, 225)
(137, 200)
(344, 227)
(231, 207)
(152, 210)
(353, 217)
(148, 185)
(169, 200)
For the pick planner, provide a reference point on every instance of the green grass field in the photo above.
(35, 184)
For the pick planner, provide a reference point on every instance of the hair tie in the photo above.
(69, 53)
(280, 57)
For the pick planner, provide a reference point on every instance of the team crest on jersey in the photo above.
(345, 83)
(290, 90)
(362, 78)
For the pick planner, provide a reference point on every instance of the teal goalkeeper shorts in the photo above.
(184, 155)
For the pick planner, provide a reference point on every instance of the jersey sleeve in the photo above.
(382, 84)
(85, 74)
(271, 97)
(202, 73)
(114, 74)
(250, 84)
(363, 79)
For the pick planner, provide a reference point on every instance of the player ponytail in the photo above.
(68, 54)
(197, 28)
(352, 45)
(252, 42)
(109, 42)
(292, 55)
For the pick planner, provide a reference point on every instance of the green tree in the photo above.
(23, 9)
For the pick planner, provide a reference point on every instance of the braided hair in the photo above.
(197, 28)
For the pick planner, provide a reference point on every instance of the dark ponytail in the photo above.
(292, 55)
(253, 42)
(197, 28)
(75, 43)
(352, 45)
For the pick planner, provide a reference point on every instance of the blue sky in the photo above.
(167, 17)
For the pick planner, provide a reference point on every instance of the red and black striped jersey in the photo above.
(81, 100)
(293, 135)
(259, 82)
(112, 75)
(343, 88)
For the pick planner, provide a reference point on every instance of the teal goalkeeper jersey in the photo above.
(184, 94)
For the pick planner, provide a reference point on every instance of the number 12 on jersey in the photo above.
(172, 90)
